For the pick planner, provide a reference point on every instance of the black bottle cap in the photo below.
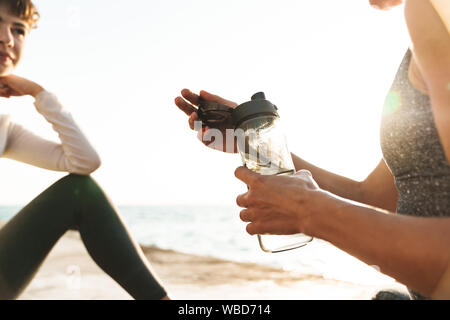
(214, 115)
(258, 106)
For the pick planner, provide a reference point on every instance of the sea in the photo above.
(217, 231)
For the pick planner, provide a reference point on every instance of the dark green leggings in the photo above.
(73, 203)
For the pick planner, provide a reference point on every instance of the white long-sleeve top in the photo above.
(74, 153)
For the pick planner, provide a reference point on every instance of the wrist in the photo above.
(36, 90)
(327, 213)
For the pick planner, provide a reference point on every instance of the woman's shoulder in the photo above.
(428, 23)
(442, 7)
(429, 18)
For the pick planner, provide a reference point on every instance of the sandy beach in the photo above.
(69, 273)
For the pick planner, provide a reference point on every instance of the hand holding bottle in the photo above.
(280, 205)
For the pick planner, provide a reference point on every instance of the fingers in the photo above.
(184, 106)
(4, 85)
(257, 221)
(254, 200)
(255, 228)
(4, 81)
(188, 100)
(20, 86)
(192, 118)
(250, 215)
(242, 200)
(265, 221)
(190, 96)
(259, 214)
(246, 215)
(5, 92)
(247, 176)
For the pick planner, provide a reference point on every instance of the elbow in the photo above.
(95, 164)
(86, 167)
(441, 290)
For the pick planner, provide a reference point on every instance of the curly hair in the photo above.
(23, 9)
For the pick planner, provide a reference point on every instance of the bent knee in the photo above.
(80, 185)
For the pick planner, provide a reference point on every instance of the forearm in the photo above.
(73, 154)
(336, 184)
(412, 250)
(78, 154)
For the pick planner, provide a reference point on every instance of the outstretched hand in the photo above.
(188, 103)
(14, 86)
(280, 205)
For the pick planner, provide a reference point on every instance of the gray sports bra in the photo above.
(412, 150)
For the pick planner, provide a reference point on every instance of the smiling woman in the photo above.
(74, 202)
(23, 16)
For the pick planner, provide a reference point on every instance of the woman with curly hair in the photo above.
(75, 202)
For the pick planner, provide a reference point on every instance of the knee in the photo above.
(81, 186)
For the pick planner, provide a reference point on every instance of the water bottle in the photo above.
(262, 145)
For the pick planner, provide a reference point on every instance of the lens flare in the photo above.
(392, 103)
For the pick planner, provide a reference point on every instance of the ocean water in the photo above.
(217, 231)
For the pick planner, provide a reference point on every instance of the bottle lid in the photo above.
(214, 115)
(258, 106)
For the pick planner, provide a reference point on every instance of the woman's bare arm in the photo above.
(413, 250)
(377, 190)
(428, 23)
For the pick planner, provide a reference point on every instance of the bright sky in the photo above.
(117, 66)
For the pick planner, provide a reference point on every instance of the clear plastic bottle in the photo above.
(262, 146)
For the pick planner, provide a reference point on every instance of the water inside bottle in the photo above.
(264, 151)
